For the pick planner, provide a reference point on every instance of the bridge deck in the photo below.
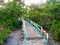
(35, 38)
(31, 31)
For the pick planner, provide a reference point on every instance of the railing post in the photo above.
(47, 38)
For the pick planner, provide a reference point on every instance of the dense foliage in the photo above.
(9, 19)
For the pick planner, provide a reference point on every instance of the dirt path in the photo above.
(16, 38)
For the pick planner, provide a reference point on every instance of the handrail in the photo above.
(39, 29)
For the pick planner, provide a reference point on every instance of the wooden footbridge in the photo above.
(32, 34)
